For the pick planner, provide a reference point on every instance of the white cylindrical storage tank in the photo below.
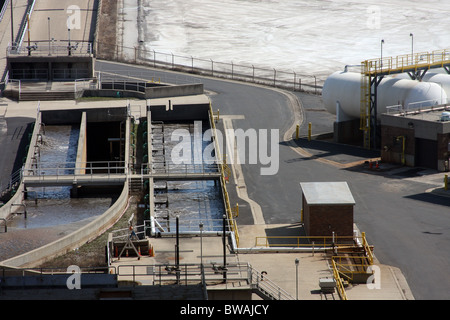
(345, 88)
(442, 79)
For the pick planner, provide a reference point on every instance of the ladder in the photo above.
(365, 120)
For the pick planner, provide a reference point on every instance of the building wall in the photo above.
(322, 220)
(415, 129)
(443, 151)
(392, 148)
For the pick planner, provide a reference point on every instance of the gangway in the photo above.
(373, 71)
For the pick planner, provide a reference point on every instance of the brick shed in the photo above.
(327, 207)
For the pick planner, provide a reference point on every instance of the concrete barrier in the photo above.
(174, 91)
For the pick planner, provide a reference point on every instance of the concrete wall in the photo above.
(174, 91)
(82, 147)
(181, 112)
(48, 67)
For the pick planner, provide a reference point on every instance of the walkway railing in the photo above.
(207, 274)
(248, 73)
(70, 168)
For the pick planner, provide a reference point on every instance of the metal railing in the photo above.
(12, 182)
(51, 48)
(183, 168)
(206, 274)
(307, 241)
(191, 226)
(410, 61)
(241, 72)
(71, 168)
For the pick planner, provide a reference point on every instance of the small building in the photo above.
(327, 208)
(417, 138)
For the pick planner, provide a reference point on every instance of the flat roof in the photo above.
(328, 193)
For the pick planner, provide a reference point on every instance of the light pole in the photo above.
(382, 41)
(201, 244)
(296, 276)
(412, 47)
(12, 24)
(49, 39)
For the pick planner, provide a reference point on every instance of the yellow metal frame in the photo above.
(365, 113)
(225, 173)
(391, 65)
(408, 62)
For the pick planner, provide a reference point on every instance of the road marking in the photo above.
(238, 174)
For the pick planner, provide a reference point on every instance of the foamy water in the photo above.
(309, 37)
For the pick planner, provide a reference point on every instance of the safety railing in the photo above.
(307, 241)
(127, 85)
(241, 72)
(208, 274)
(403, 63)
(173, 168)
(51, 48)
(70, 168)
(264, 285)
(11, 183)
(191, 226)
(339, 281)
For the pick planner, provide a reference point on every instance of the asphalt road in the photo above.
(408, 227)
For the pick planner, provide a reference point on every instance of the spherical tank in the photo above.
(345, 88)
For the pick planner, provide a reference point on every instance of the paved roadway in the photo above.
(408, 226)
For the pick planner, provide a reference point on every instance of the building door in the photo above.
(426, 153)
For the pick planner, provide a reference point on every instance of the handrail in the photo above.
(406, 62)
(69, 168)
(367, 249)
(307, 241)
(339, 282)
(205, 274)
(267, 287)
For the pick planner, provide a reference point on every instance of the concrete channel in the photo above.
(67, 145)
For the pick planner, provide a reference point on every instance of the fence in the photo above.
(207, 274)
(241, 72)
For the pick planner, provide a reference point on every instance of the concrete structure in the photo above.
(327, 208)
(419, 138)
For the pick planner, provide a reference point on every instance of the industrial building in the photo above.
(397, 105)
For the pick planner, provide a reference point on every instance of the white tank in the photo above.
(345, 88)
(443, 79)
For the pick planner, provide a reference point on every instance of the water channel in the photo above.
(192, 201)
